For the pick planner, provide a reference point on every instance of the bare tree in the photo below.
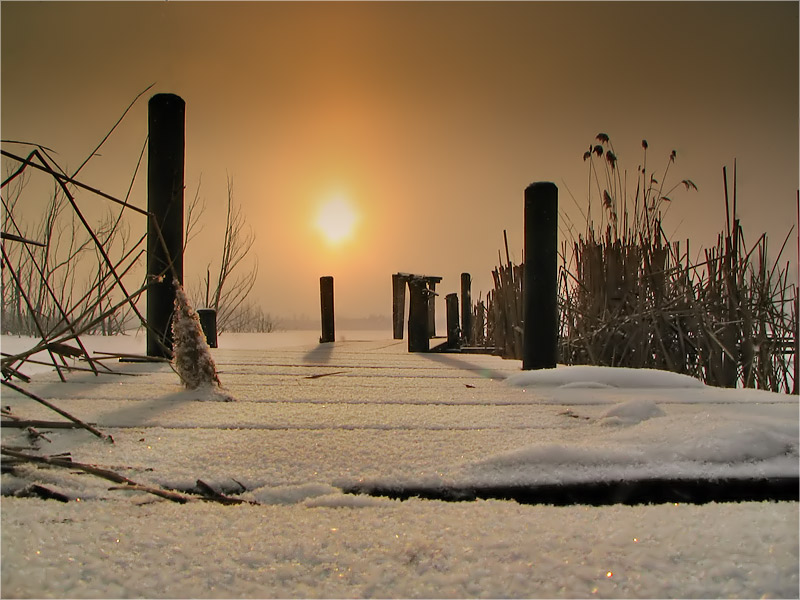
(228, 290)
(57, 270)
(251, 318)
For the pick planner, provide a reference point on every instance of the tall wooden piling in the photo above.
(165, 162)
(540, 291)
(466, 307)
(432, 308)
(418, 336)
(453, 330)
(326, 309)
(398, 304)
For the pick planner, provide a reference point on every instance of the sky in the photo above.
(428, 120)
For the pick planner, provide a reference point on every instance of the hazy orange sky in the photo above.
(431, 118)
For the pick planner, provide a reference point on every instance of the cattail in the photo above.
(607, 202)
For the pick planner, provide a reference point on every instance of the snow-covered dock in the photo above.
(314, 420)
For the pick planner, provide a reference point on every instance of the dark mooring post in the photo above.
(432, 308)
(326, 307)
(398, 305)
(540, 285)
(466, 307)
(166, 131)
(453, 331)
(208, 323)
(418, 338)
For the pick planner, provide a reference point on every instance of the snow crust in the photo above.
(312, 418)
(413, 549)
(632, 412)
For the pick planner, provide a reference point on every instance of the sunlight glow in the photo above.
(336, 219)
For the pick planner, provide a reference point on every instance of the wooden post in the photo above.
(466, 308)
(453, 330)
(398, 304)
(540, 291)
(432, 308)
(165, 159)
(418, 338)
(208, 322)
(326, 309)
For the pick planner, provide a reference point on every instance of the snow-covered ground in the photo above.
(313, 419)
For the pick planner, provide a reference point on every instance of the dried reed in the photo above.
(628, 296)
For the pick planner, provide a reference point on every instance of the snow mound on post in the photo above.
(192, 356)
(591, 376)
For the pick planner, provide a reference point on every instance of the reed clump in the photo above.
(505, 308)
(629, 296)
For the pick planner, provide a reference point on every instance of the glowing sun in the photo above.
(336, 219)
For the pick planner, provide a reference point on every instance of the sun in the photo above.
(336, 219)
